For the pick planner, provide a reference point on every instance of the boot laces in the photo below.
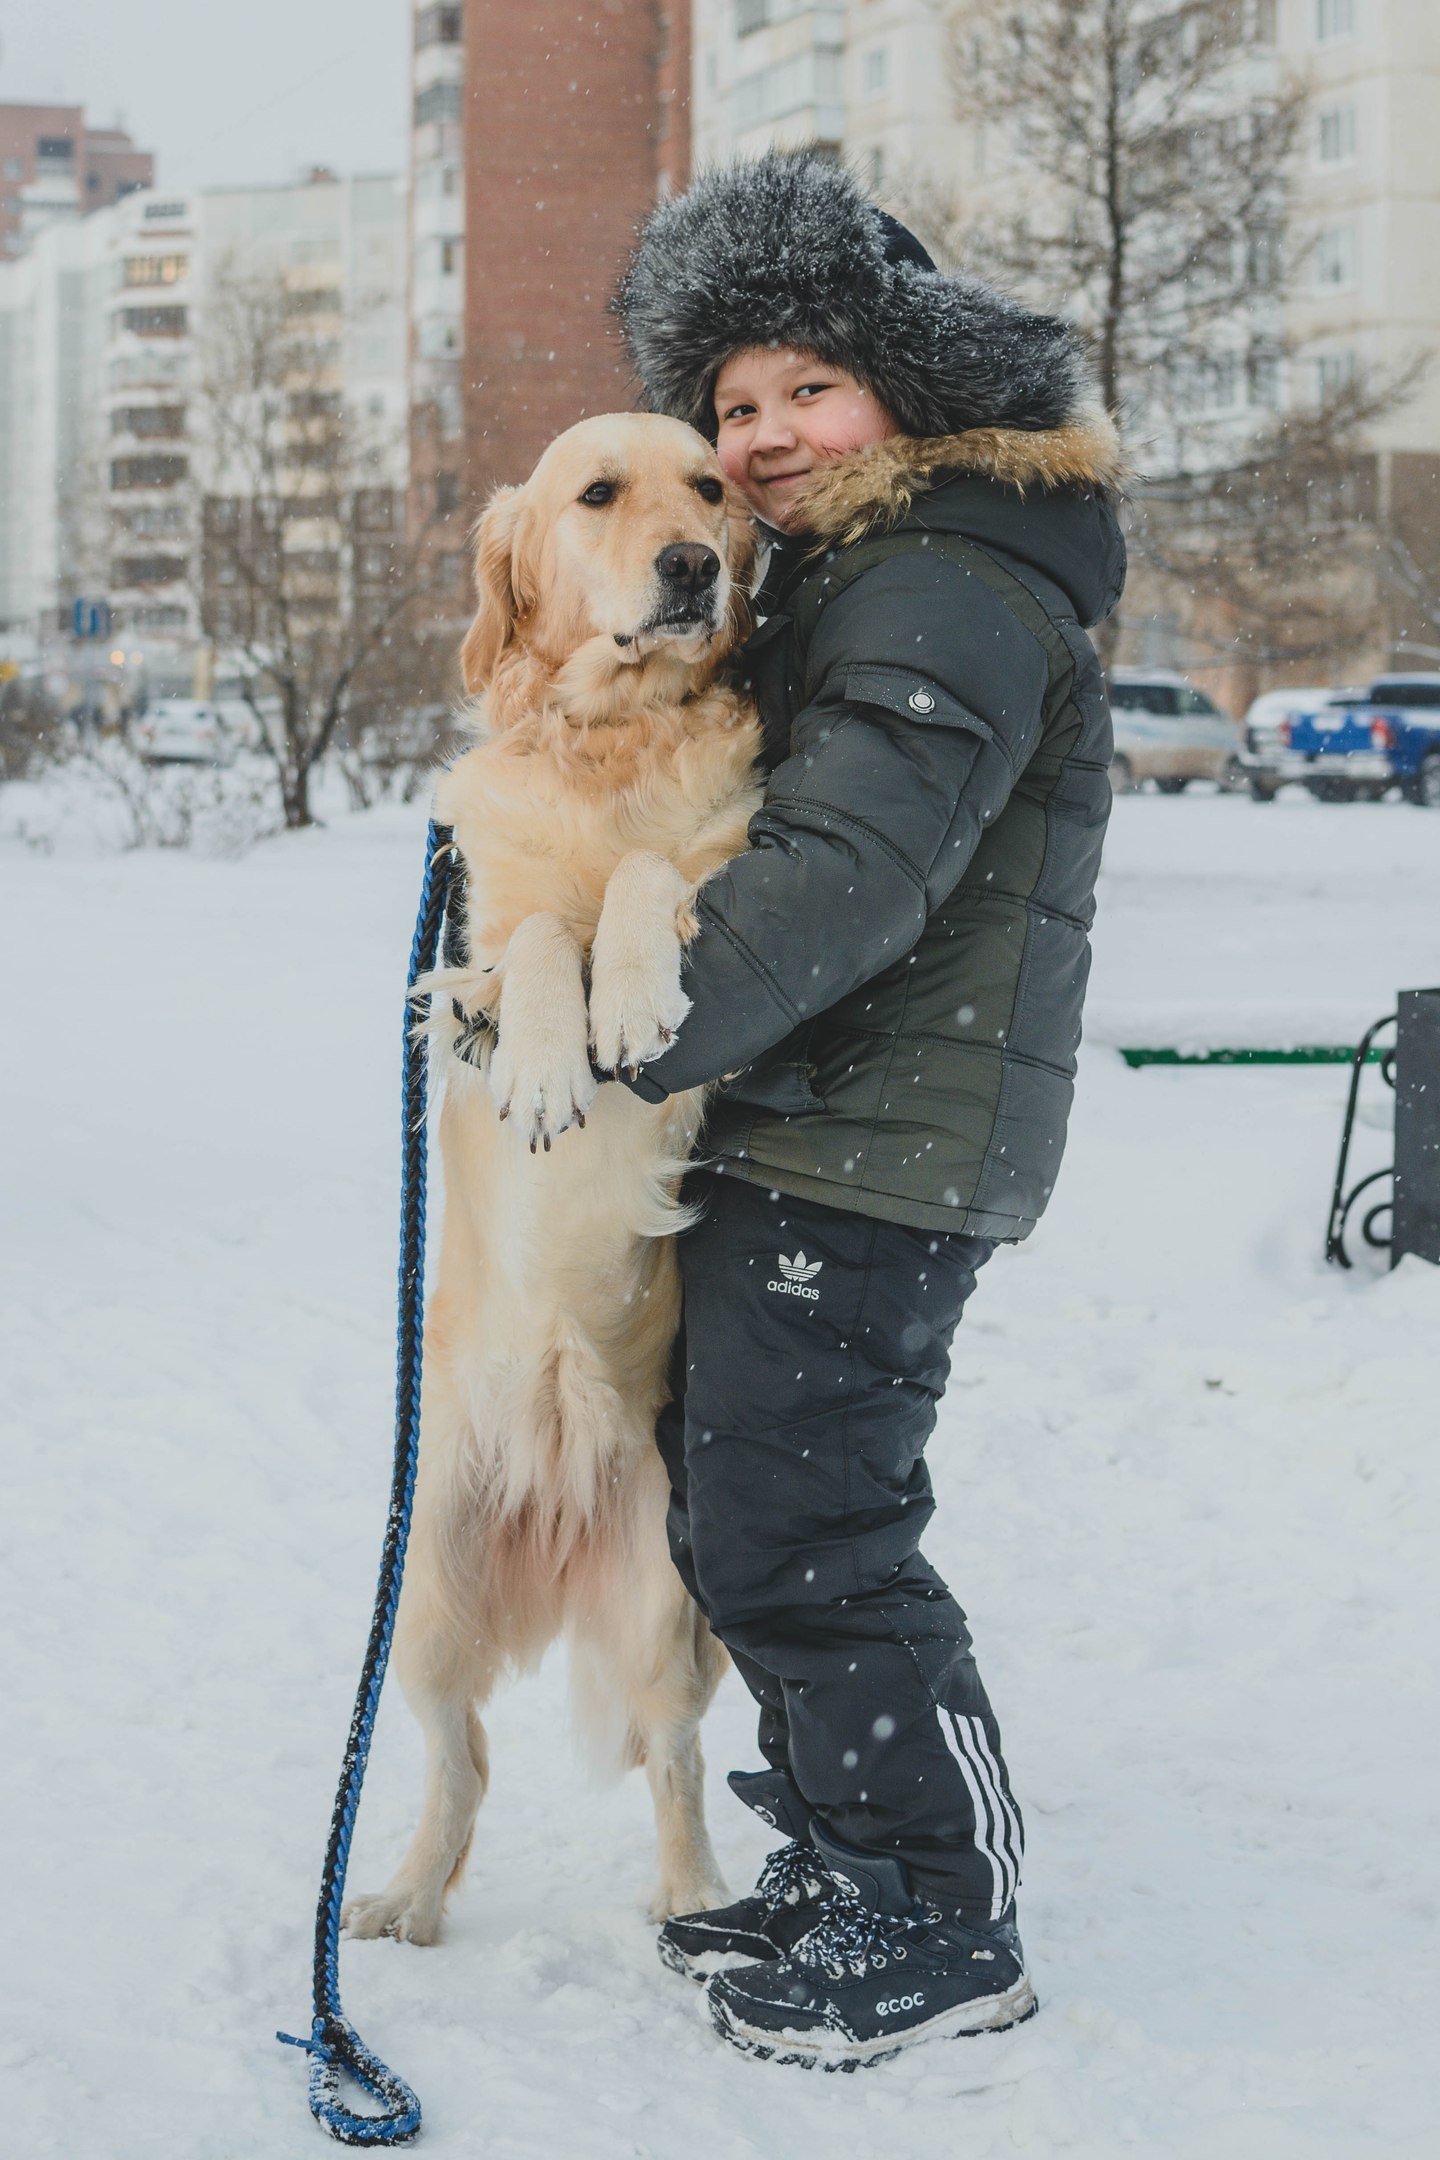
(793, 1873)
(853, 1934)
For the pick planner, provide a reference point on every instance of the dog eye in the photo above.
(712, 490)
(598, 493)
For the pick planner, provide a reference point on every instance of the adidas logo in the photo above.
(795, 1276)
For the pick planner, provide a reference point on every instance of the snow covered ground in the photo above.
(1187, 1481)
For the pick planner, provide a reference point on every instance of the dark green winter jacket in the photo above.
(892, 976)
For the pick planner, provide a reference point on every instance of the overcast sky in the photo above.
(243, 91)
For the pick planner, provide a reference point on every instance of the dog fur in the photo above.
(612, 774)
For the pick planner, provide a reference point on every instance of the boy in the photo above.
(890, 984)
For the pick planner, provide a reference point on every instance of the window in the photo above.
(875, 71)
(1144, 697)
(1334, 371)
(1195, 701)
(438, 26)
(148, 367)
(1334, 19)
(1335, 257)
(155, 422)
(222, 514)
(156, 269)
(163, 213)
(1263, 22)
(153, 471)
(313, 300)
(447, 493)
(374, 509)
(437, 101)
(806, 78)
(751, 15)
(372, 565)
(152, 521)
(1337, 135)
(449, 257)
(1263, 368)
(1425, 695)
(148, 570)
(155, 321)
(1263, 258)
(55, 149)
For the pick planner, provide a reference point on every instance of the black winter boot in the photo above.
(793, 1892)
(880, 1970)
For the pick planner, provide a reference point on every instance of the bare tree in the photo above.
(1156, 160)
(1298, 555)
(1144, 184)
(307, 574)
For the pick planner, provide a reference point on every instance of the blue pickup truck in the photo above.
(1348, 745)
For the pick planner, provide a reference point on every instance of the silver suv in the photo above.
(1169, 732)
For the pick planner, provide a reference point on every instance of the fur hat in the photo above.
(787, 251)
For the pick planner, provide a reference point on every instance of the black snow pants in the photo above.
(813, 1351)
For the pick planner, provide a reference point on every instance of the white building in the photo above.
(52, 476)
(102, 329)
(872, 81)
(437, 216)
(1370, 201)
(867, 80)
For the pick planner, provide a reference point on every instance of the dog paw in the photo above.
(405, 1915)
(541, 1079)
(687, 1894)
(636, 1004)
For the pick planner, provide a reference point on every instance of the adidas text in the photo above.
(794, 1277)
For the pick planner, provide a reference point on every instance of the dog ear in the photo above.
(743, 550)
(497, 601)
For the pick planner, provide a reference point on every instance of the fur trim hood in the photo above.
(787, 251)
(877, 486)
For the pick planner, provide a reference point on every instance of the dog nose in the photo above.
(689, 566)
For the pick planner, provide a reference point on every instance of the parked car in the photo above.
(1169, 732)
(1348, 745)
(1321, 738)
(1405, 719)
(183, 731)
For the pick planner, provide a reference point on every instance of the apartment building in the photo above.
(110, 485)
(53, 521)
(867, 80)
(1369, 202)
(436, 300)
(872, 81)
(55, 165)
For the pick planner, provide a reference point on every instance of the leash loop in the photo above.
(334, 2046)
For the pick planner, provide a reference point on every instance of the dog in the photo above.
(613, 774)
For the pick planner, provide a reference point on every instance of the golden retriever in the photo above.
(613, 774)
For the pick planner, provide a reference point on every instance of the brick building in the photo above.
(54, 165)
(566, 125)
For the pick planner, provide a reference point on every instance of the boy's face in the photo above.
(783, 413)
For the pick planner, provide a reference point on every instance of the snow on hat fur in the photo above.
(787, 251)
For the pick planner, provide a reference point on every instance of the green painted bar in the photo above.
(1307, 1054)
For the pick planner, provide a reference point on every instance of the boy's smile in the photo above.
(781, 414)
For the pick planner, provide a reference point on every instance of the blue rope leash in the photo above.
(334, 2046)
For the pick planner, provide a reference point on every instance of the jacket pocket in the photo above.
(912, 695)
(781, 1081)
